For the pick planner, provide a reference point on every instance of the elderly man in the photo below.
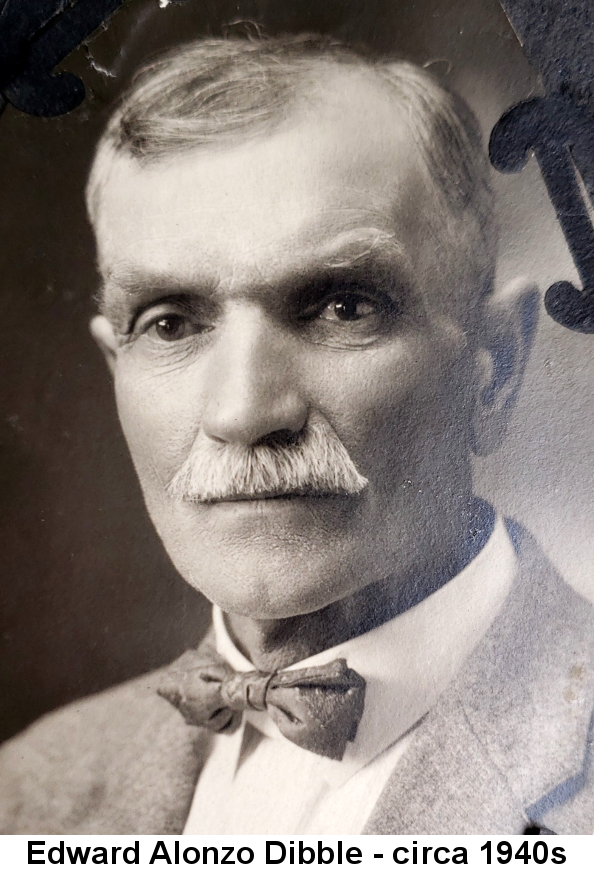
(299, 311)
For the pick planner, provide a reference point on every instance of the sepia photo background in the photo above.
(88, 596)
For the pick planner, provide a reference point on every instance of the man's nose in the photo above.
(252, 392)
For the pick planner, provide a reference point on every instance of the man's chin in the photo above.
(274, 581)
(271, 558)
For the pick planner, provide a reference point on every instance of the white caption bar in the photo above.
(365, 853)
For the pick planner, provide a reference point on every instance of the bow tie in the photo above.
(317, 708)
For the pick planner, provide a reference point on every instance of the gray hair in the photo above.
(214, 92)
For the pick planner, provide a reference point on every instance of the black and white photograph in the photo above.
(297, 429)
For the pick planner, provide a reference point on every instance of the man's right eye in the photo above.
(162, 324)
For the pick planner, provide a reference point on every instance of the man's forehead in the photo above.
(323, 185)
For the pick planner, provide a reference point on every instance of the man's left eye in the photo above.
(349, 307)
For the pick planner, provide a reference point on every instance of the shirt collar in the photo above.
(407, 662)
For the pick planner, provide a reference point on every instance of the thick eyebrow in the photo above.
(355, 256)
(366, 244)
(125, 292)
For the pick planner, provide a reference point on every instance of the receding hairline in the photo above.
(309, 90)
(207, 79)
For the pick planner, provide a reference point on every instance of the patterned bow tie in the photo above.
(317, 708)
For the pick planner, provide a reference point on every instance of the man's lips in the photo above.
(281, 495)
(286, 508)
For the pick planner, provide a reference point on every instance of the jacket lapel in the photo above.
(507, 742)
(446, 783)
(143, 782)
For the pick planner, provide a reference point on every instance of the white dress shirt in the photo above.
(257, 782)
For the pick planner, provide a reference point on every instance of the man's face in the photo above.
(253, 287)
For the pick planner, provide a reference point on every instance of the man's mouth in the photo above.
(271, 495)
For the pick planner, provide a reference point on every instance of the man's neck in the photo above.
(278, 643)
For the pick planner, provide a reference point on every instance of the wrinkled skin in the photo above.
(245, 287)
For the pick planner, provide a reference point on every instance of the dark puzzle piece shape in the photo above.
(559, 129)
(35, 35)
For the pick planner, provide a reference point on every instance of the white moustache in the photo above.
(316, 463)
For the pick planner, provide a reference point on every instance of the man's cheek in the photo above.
(403, 446)
(156, 444)
(381, 420)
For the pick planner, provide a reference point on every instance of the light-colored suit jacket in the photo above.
(507, 744)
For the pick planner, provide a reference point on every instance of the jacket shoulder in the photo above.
(122, 761)
(567, 623)
(508, 743)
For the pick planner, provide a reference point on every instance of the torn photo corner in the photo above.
(297, 517)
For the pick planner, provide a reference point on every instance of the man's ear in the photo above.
(104, 335)
(508, 326)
